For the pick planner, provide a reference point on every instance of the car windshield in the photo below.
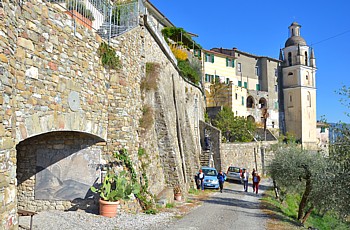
(234, 169)
(210, 172)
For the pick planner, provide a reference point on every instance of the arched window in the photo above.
(250, 102)
(251, 118)
(290, 58)
(306, 58)
(262, 103)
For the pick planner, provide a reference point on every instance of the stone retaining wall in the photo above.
(52, 82)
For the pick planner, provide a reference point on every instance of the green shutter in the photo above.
(233, 63)
(258, 87)
(242, 100)
(226, 62)
(240, 83)
(212, 58)
(245, 85)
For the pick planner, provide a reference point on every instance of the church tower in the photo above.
(298, 71)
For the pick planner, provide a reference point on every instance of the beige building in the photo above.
(298, 81)
(251, 83)
(285, 87)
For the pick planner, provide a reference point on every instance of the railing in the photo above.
(108, 20)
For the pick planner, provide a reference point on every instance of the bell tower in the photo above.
(299, 88)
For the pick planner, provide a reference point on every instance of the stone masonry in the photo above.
(53, 85)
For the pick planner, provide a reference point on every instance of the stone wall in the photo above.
(52, 82)
(248, 155)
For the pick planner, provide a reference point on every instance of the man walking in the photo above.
(245, 178)
(221, 178)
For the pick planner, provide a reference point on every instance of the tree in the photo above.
(298, 171)
(234, 128)
(218, 92)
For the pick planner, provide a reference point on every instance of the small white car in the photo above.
(234, 173)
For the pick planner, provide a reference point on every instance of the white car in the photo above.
(234, 173)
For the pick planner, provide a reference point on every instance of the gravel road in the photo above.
(232, 209)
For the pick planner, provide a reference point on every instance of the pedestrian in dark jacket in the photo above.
(253, 173)
(221, 177)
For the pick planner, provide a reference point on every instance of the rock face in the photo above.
(57, 101)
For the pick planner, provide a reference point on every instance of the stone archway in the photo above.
(250, 102)
(55, 170)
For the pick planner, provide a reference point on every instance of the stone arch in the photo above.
(262, 103)
(75, 121)
(251, 118)
(250, 102)
(58, 166)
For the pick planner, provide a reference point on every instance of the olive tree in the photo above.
(295, 170)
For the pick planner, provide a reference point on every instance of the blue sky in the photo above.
(261, 28)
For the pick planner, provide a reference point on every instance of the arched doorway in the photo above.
(250, 102)
(55, 170)
(262, 103)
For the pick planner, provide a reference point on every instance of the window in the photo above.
(209, 58)
(217, 78)
(290, 98)
(257, 87)
(306, 58)
(227, 81)
(246, 85)
(239, 67)
(242, 100)
(323, 129)
(209, 78)
(257, 70)
(273, 124)
(307, 77)
(276, 105)
(290, 58)
(240, 83)
(236, 96)
(230, 62)
(276, 88)
(276, 73)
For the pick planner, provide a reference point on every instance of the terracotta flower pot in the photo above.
(177, 197)
(108, 208)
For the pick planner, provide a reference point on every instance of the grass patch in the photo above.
(284, 215)
(152, 74)
(170, 205)
(193, 191)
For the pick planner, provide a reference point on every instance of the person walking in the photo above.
(253, 173)
(245, 178)
(256, 181)
(221, 177)
(201, 178)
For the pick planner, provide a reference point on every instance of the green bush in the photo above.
(188, 71)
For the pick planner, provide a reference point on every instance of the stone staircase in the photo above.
(204, 158)
(115, 30)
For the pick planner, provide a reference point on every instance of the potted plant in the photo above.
(80, 12)
(177, 192)
(115, 187)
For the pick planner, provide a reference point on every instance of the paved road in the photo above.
(232, 209)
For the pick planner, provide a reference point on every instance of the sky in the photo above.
(261, 28)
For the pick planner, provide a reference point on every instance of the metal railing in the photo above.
(107, 19)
